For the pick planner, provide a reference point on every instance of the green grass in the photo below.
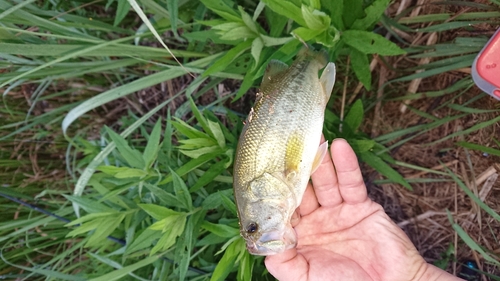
(162, 185)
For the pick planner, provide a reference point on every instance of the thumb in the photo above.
(287, 265)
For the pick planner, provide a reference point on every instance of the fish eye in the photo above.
(252, 227)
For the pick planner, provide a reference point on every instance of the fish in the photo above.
(279, 148)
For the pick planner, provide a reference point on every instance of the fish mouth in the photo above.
(273, 242)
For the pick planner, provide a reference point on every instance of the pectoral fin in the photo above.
(320, 154)
(327, 79)
(293, 155)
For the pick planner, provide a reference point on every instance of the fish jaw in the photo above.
(273, 242)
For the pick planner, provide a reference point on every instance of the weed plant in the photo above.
(152, 200)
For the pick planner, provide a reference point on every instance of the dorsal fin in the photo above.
(327, 79)
(308, 53)
(273, 68)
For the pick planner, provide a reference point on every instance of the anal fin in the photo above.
(320, 154)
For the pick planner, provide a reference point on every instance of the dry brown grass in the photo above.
(422, 212)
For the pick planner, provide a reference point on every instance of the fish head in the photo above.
(265, 219)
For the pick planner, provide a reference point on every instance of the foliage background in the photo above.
(131, 151)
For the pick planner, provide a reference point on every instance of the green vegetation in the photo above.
(150, 196)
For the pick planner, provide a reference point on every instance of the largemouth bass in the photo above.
(279, 148)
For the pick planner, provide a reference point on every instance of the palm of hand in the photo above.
(342, 234)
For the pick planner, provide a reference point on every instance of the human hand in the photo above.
(344, 235)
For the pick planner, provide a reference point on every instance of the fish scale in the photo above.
(277, 148)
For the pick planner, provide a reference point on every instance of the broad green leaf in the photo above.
(226, 263)
(217, 133)
(188, 131)
(361, 67)
(210, 239)
(352, 10)
(383, 168)
(315, 20)
(151, 150)
(363, 145)
(272, 41)
(197, 153)
(306, 34)
(245, 268)
(90, 206)
(170, 234)
(165, 198)
(225, 60)
(257, 46)
(130, 173)
(276, 22)
(287, 9)
(238, 33)
(110, 170)
(158, 212)
(249, 22)
(199, 116)
(228, 204)
(132, 156)
(121, 11)
(370, 43)
(181, 191)
(335, 7)
(196, 143)
(329, 38)
(185, 243)
(373, 13)
(209, 175)
(355, 115)
(214, 200)
(191, 165)
(95, 182)
(220, 229)
(91, 217)
(481, 148)
(222, 8)
(84, 228)
(106, 227)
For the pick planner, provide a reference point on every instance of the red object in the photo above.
(486, 67)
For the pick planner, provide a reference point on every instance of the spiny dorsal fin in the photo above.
(327, 79)
(308, 53)
(273, 68)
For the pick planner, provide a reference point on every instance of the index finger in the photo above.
(349, 178)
